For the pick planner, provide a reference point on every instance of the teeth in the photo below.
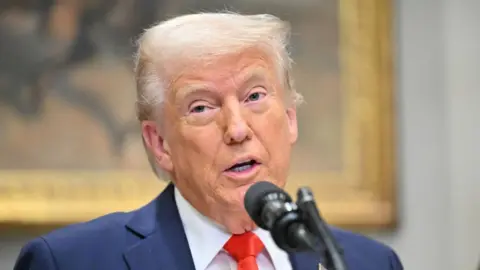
(241, 168)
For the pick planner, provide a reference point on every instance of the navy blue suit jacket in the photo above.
(153, 238)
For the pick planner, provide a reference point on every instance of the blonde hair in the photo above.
(167, 46)
(204, 37)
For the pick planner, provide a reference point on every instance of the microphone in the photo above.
(272, 209)
(333, 252)
(294, 227)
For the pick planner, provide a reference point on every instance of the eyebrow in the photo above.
(250, 78)
(256, 75)
(190, 89)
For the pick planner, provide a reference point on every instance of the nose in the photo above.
(237, 129)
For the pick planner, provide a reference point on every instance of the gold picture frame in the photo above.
(362, 195)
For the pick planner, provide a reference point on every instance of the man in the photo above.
(218, 113)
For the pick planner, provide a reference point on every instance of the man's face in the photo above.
(227, 126)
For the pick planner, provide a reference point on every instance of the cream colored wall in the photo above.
(439, 126)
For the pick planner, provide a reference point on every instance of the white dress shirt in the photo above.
(206, 240)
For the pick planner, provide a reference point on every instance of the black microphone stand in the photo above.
(332, 252)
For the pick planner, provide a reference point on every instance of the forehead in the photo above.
(231, 70)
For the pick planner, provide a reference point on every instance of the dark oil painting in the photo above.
(67, 90)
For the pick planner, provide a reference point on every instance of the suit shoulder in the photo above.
(358, 240)
(83, 236)
(361, 248)
(90, 229)
(35, 255)
(75, 243)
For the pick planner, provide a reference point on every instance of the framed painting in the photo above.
(70, 147)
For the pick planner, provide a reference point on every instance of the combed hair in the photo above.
(166, 47)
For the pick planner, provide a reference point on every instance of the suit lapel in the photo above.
(162, 244)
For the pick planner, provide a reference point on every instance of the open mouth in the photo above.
(243, 166)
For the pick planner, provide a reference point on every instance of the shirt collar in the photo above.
(206, 238)
(278, 257)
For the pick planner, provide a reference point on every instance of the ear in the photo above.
(157, 145)
(292, 124)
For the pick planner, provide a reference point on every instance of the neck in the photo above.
(236, 221)
(238, 225)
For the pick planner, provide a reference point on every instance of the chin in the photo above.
(232, 214)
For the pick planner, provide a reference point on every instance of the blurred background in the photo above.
(65, 78)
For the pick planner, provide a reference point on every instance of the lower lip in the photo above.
(243, 174)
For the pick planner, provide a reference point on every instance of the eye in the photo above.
(255, 96)
(199, 106)
(198, 109)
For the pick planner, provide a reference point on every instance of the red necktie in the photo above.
(244, 248)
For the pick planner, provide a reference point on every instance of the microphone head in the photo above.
(257, 197)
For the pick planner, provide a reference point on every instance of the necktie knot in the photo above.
(244, 246)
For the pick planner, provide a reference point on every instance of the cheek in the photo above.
(229, 195)
(272, 125)
(197, 148)
(272, 130)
